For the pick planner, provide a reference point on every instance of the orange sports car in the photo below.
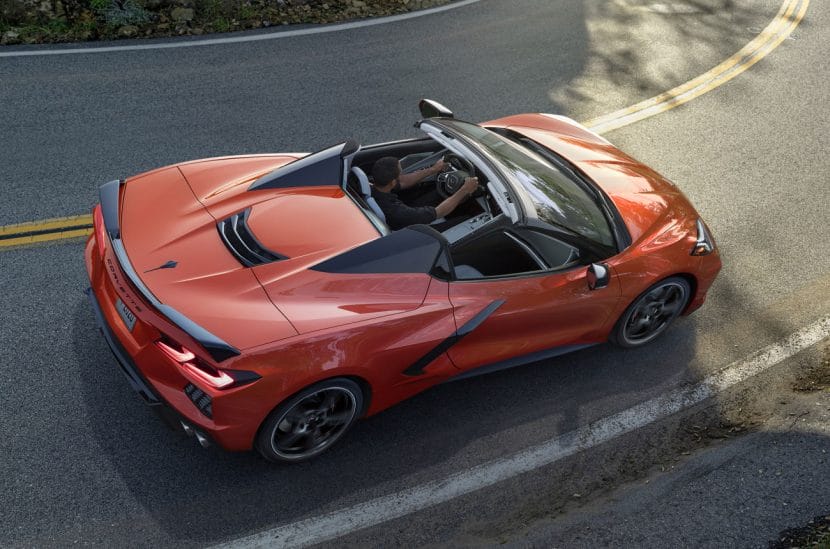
(261, 301)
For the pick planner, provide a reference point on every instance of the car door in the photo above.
(506, 318)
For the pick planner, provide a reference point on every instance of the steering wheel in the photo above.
(452, 178)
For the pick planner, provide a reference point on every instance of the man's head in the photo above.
(386, 171)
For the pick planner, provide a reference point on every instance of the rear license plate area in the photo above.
(126, 314)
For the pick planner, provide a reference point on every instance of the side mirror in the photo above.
(433, 109)
(599, 275)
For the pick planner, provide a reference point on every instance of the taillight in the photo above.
(100, 230)
(199, 370)
(178, 356)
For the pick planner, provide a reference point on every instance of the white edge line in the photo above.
(249, 38)
(399, 504)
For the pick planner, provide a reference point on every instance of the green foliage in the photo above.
(247, 12)
(100, 5)
(220, 24)
(57, 26)
(212, 9)
(39, 21)
(125, 12)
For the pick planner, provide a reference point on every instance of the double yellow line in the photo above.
(786, 20)
(59, 228)
(789, 16)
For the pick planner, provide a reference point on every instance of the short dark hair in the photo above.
(386, 170)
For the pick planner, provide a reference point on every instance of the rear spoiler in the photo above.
(218, 349)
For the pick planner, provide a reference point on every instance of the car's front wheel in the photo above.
(652, 312)
(311, 421)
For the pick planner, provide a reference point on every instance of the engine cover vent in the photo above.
(242, 243)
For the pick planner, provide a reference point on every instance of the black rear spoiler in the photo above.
(218, 349)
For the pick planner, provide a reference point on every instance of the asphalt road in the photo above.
(84, 461)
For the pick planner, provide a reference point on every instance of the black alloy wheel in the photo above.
(311, 421)
(652, 312)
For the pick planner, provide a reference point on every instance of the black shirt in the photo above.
(400, 215)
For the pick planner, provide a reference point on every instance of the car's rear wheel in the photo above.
(652, 312)
(310, 422)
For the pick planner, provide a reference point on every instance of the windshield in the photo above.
(558, 199)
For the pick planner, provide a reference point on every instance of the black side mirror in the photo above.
(599, 275)
(433, 109)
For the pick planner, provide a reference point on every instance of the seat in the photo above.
(366, 191)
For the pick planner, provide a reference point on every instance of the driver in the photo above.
(389, 181)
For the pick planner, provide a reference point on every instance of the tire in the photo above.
(652, 313)
(310, 422)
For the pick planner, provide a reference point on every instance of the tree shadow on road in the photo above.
(641, 48)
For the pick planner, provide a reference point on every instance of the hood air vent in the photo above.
(242, 243)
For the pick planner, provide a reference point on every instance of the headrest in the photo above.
(365, 188)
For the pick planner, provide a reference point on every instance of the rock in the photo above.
(182, 14)
(127, 31)
(10, 37)
(197, 31)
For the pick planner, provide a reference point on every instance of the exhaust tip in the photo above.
(188, 430)
(203, 440)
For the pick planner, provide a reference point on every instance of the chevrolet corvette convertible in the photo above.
(262, 302)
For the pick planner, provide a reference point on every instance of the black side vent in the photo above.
(242, 243)
(201, 399)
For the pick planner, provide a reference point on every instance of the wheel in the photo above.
(310, 422)
(652, 313)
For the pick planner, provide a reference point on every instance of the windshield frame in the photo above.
(520, 196)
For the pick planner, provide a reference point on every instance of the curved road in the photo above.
(84, 461)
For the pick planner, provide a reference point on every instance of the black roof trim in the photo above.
(351, 146)
(218, 349)
(317, 169)
(414, 249)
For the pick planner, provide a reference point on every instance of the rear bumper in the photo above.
(159, 383)
(129, 369)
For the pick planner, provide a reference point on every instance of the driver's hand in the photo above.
(439, 166)
(470, 185)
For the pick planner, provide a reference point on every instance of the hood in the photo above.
(643, 197)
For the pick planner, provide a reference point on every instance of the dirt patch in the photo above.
(815, 533)
(816, 378)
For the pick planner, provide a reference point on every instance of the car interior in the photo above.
(483, 242)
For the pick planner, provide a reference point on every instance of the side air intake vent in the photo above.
(242, 243)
